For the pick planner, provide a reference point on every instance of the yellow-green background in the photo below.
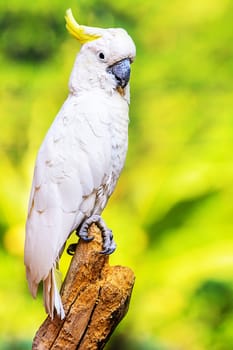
(172, 212)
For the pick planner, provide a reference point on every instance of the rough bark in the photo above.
(95, 296)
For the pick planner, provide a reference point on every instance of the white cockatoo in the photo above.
(81, 157)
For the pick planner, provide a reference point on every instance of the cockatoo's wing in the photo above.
(73, 163)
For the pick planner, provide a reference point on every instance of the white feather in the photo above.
(79, 162)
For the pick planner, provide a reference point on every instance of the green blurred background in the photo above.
(172, 212)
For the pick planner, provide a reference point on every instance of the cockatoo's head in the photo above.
(104, 59)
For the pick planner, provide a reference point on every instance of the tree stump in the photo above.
(95, 297)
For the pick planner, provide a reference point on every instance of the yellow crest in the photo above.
(79, 32)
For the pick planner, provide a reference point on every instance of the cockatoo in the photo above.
(81, 157)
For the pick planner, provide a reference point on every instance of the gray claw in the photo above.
(108, 243)
(108, 251)
(83, 232)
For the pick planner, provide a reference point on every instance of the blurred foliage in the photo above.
(20, 42)
(173, 204)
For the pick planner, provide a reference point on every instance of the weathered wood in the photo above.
(95, 296)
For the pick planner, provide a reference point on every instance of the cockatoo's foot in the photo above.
(108, 243)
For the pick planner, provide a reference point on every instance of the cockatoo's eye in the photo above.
(101, 56)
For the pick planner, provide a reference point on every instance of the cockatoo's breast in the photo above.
(119, 137)
(110, 121)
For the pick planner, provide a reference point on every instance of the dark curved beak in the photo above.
(121, 71)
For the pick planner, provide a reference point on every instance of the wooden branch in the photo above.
(95, 297)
